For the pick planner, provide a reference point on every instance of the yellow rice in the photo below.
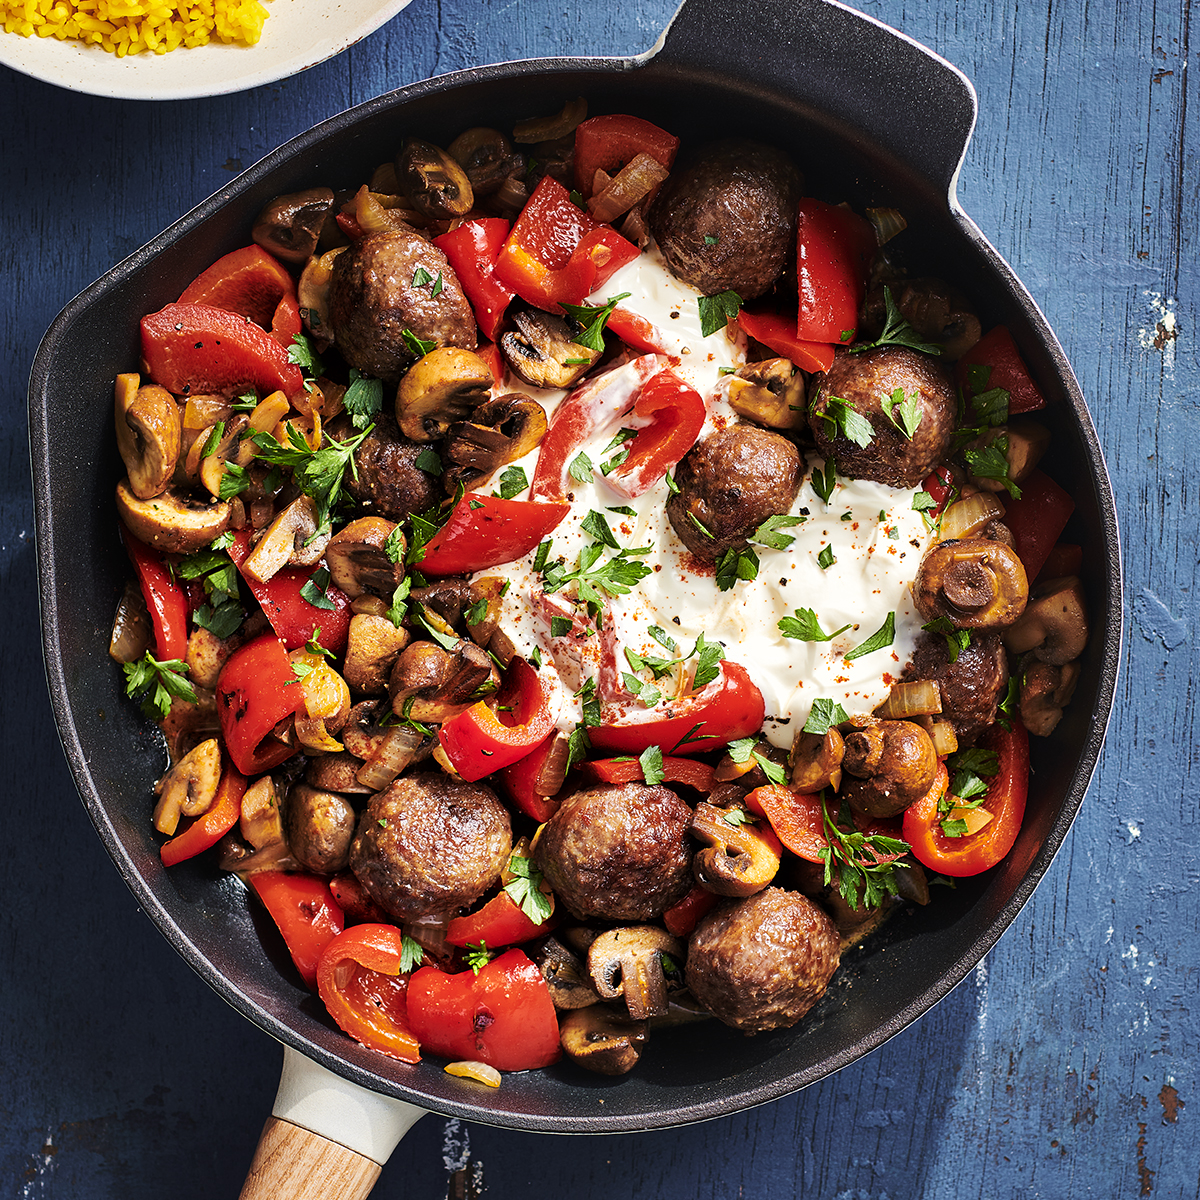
(134, 26)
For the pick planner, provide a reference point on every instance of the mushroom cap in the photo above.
(172, 522)
(974, 583)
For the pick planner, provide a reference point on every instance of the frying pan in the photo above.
(874, 119)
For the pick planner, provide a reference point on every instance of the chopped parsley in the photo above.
(826, 558)
(477, 956)
(860, 865)
(314, 589)
(717, 311)
(513, 481)
(580, 468)
(592, 321)
(804, 627)
(412, 954)
(825, 714)
(418, 346)
(154, 685)
(907, 406)
(746, 748)
(957, 640)
(991, 462)
(843, 418)
(824, 480)
(651, 762)
(897, 331)
(526, 889)
(883, 637)
(363, 399)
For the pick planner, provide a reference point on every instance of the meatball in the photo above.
(374, 301)
(880, 385)
(618, 852)
(971, 686)
(429, 844)
(730, 483)
(727, 220)
(763, 962)
(386, 475)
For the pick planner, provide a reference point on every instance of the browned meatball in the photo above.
(729, 484)
(971, 687)
(726, 221)
(373, 301)
(430, 844)
(618, 852)
(763, 962)
(877, 384)
(388, 478)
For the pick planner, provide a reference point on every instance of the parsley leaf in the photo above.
(825, 713)
(767, 534)
(860, 864)
(363, 399)
(884, 636)
(826, 558)
(651, 760)
(314, 589)
(734, 565)
(580, 468)
(303, 354)
(957, 640)
(595, 526)
(616, 577)
(234, 481)
(526, 889)
(717, 311)
(991, 462)
(513, 481)
(707, 655)
(805, 627)
(592, 321)
(222, 620)
(417, 346)
(429, 461)
(923, 502)
(824, 480)
(897, 331)
(412, 954)
(154, 684)
(842, 417)
(909, 408)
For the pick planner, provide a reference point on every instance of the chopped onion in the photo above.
(377, 213)
(628, 187)
(887, 222)
(132, 634)
(914, 699)
(550, 778)
(945, 740)
(546, 129)
(967, 516)
(397, 748)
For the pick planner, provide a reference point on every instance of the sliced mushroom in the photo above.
(1023, 443)
(1055, 623)
(436, 186)
(1046, 689)
(740, 858)
(261, 821)
(601, 1040)
(770, 393)
(172, 522)
(566, 976)
(499, 431)
(541, 350)
(319, 827)
(358, 561)
(817, 760)
(628, 962)
(148, 434)
(189, 788)
(487, 157)
(974, 583)
(372, 647)
(432, 685)
(888, 764)
(544, 129)
(187, 725)
(291, 540)
(214, 460)
(445, 386)
(290, 226)
(364, 729)
(442, 603)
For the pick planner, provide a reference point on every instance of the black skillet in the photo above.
(873, 118)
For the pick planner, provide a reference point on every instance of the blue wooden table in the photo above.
(1067, 1065)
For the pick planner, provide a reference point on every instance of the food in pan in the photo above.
(582, 589)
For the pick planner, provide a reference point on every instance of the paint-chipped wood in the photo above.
(1067, 1065)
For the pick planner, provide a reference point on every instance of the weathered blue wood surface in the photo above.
(1067, 1066)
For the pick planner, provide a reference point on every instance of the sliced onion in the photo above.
(887, 222)
(395, 751)
(546, 129)
(550, 778)
(967, 516)
(510, 197)
(132, 633)
(914, 699)
(376, 213)
(628, 187)
(945, 740)
(478, 1071)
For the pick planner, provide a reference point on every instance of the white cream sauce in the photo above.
(876, 537)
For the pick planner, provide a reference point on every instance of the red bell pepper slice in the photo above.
(687, 771)
(733, 710)
(520, 780)
(503, 1016)
(609, 142)
(676, 414)
(558, 254)
(353, 900)
(635, 331)
(1065, 558)
(488, 736)
(939, 484)
(996, 349)
(1037, 519)
(164, 598)
(1005, 800)
(210, 827)
(249, 281)
(197, 348)
(292, 617)
(500, 922)
(583, 411)
(797, 818)
(472, 250)
(834, 248)
(359, 981)
(778, 332)
(308, 916)
(257, 689)
(682, 918)
(486, 531)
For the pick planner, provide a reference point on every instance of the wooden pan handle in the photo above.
(300, 1165)
(327, 1138)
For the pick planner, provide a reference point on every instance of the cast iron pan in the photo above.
(872, 118)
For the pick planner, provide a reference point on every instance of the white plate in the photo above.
(298, 34)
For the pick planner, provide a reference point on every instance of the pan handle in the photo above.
(326, 1138)
(855, 71)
